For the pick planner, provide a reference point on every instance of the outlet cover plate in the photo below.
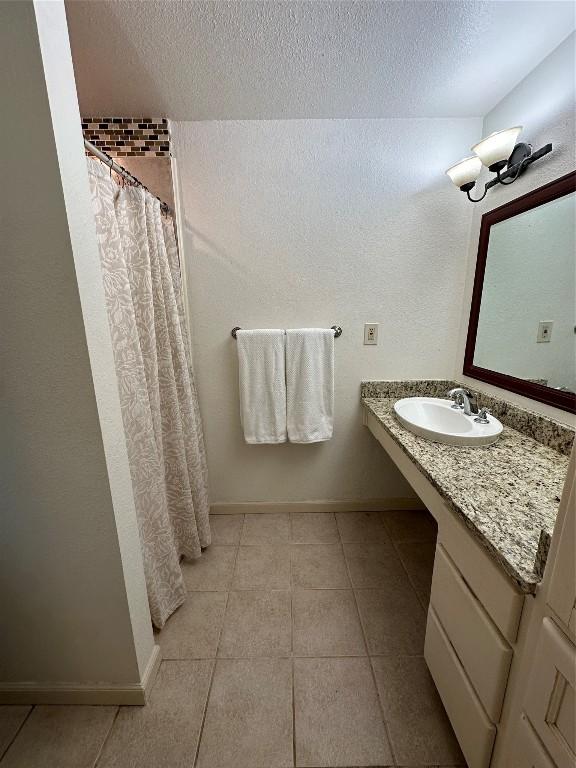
(544, 331)
(371, 333)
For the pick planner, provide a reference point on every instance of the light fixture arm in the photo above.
(512, 179)
(477, 200)
(513, 172)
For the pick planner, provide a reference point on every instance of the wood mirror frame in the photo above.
(564, 400)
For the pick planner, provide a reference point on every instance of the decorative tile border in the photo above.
(548, 432)
(128, 136)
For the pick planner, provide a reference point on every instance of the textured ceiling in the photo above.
(262, 60)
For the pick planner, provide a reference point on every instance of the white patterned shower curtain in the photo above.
(162, 425)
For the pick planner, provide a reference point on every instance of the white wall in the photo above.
(73, 601)
(544, 103)
(296, 223)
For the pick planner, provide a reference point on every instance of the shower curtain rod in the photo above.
(101, 155)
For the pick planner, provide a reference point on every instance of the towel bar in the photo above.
(336, 328)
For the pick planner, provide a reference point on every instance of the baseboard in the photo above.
(354, 505)
(149, 676)
(93, 693)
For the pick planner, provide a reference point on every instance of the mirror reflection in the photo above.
(527, 319)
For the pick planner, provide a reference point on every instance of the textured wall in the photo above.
(544, 103)
(311, 223)
(73, 600)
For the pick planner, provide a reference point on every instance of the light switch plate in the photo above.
(371, 333)
(544, 331)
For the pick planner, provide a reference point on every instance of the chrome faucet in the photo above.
(463, 398)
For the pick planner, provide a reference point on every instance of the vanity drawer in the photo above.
(501, 599)
(473, 729)
(484, 654)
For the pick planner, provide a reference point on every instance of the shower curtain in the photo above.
(162, 425)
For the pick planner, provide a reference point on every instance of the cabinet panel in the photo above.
(473, 729)
(562, 592)
(484, 654)
(528, 751)
(550, 696)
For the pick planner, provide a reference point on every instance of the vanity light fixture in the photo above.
(497, 152)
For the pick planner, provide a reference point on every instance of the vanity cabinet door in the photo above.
(551, 695)
(528, 751)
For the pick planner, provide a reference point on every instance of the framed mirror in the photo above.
(522, 327)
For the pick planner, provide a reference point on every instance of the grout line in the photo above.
(382, 713)
(15, 736)
(293, 664)
(287, 588)
(215, 660)
(107, 737)
(296, 656)
(412, 584)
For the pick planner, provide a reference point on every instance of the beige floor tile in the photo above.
(418, 559)
(60, 737)
(326, 623)
(338, 717)
(410, 525)
(319, 566)
(266, 529)
(11, 718)
(192, 632)
(373, 565)
(266, 567)
(226, 529)
(257, 623)
(393, 619)
(314, 528)
(249, 717)
(419, 728)
(165, 732)
(361, 526)
(210, 572)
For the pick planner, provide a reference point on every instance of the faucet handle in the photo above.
(482, 417)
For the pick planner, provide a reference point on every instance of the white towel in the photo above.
(310, 384)
(261, 362)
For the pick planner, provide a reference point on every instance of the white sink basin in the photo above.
(435, 419)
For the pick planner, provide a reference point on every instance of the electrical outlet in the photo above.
(371, 333)
(544, 330)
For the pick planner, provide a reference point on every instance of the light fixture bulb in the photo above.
(497, 147)
(466, 171)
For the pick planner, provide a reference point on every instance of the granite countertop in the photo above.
(505, 493)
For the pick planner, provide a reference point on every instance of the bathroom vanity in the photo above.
(496, 507)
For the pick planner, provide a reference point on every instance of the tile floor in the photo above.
(300, 644)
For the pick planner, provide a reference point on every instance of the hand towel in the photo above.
(310, 384)
(261, 362)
